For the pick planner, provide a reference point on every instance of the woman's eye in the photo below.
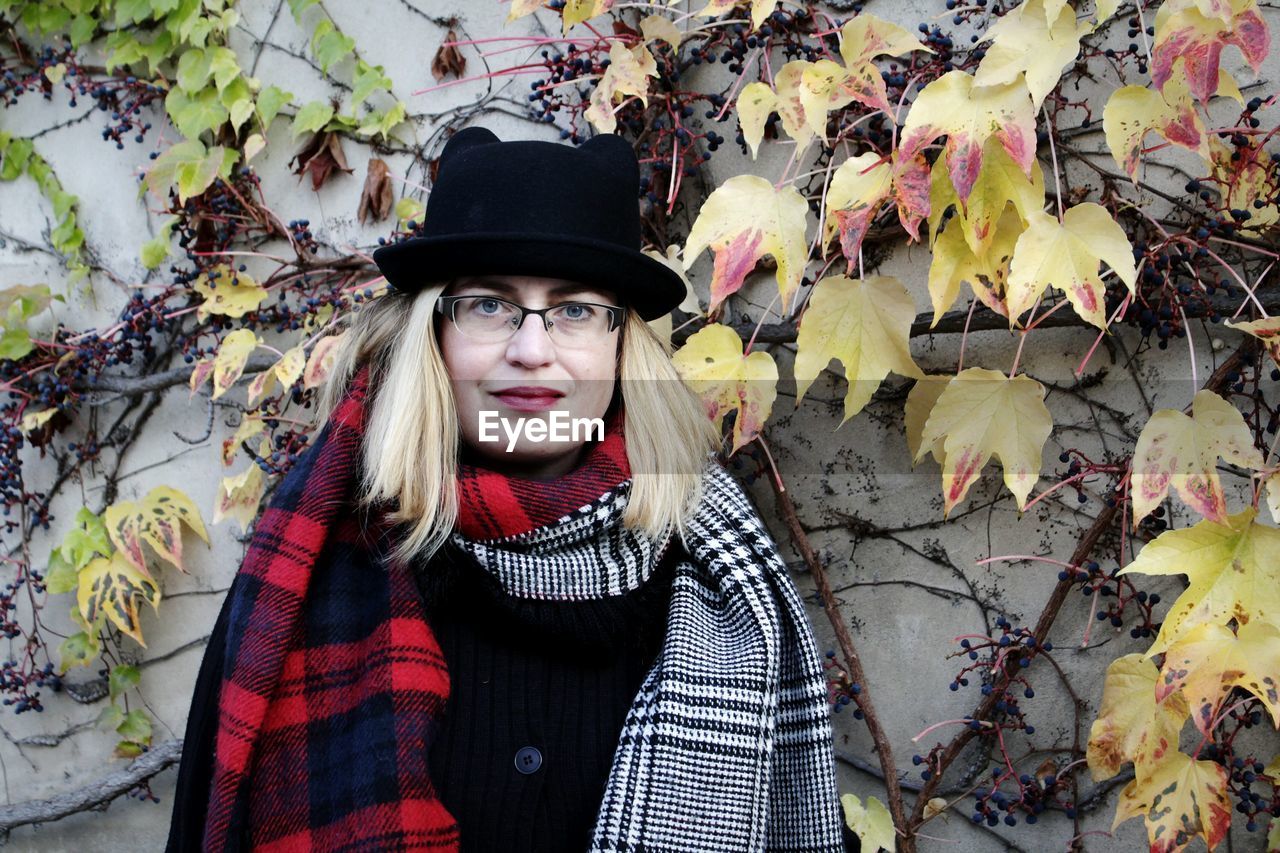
(493, 304)
(576, 311)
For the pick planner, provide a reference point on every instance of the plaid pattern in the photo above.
(728, 744)
(334, 705)
(333, 682)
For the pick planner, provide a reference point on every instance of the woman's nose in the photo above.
(531, 344)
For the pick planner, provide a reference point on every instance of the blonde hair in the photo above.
(412, 435)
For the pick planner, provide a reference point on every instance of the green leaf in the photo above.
(270, 100)
(188, 164)
(369, 79)
(383, 122)
(297, 7)
(194, 177)
(194, 114)
(157, 52)
(193, 70)
(127, 749)
(110, 716)
(15, 343)
(82, 30)
(135, 727)
(155, 250)
(16, 157)
(163, 7)
(60, 576)
(225, 66)
(330, 46)
(183, 19)
(239, 102)
(132, 11)
(313, 116)
(88, 539)
(80, 649)
(408, 209)
(53, 18)
(123, 677)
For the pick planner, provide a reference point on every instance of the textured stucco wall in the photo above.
(907, 579)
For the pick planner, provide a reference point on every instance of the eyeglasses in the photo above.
(490, 319)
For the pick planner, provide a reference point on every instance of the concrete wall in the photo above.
(906, 578)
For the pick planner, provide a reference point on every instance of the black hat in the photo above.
(529, 207)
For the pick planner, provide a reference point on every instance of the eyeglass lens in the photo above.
(487, 319)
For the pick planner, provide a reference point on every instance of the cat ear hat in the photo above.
(530, 207)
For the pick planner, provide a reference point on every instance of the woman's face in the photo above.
(502, 427)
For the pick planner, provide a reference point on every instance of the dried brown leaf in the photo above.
(377, 197)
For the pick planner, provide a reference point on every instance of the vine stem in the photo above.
(853, 665)
(1088, 542)
(1053, 155)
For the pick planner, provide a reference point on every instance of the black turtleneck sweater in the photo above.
(538, 694)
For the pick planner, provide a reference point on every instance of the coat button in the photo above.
(528, 759)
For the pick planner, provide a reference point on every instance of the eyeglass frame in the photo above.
(616, 312)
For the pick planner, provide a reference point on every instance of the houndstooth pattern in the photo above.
(728, 743)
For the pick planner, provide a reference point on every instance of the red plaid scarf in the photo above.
(332, 679)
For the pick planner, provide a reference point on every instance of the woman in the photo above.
(457, 627)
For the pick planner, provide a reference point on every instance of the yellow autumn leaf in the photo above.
(924, 393)
(827, 85)
(1034, 42)
(671, 258)
(32, 420)
(320, 362)
(1250, 174)
(661, 27)
(1266, 330)
(954, 263)
(250, 428)
(154, 520)
(1272, 486)
(260, 385)
(744, 219)
(1180, 451)
(1131, 725)
(754, 103)
(521, 8)
(1000, 182)
(1067, 255)
(712, 363)
(1181, 799)
(286, 370)
(112, 586)
(1232, 569)
(1184, 32)
(233, 352)
(577, 11)
(984, 413)
(227, 293)
(203, 370)
(967, 114)
(866, 324)
(1209, 661)
(864, 37)
(760, 9)
(628, 74)
(239, 496)
(872, 823)
(789, 103)
(1134, 111)
(858, 189)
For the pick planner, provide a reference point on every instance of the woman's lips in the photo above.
(523, 403)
